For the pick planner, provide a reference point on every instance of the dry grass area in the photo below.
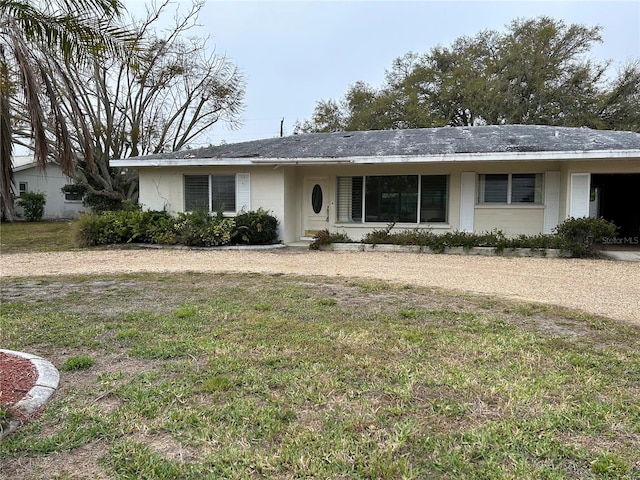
(248, 376)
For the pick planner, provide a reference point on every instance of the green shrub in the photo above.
(198, 230)
(257, 227)
(379, 236)
(324, 237)
(582, 236)
(33, 205)
(122, 226)
(439, 243)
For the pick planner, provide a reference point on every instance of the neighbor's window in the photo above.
(389, 198)
(212, 192)
(23, 188)
(73, 196)
(73, 193)
(511, 188)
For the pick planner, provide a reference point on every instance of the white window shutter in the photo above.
(579, 195)
(243, 192)
(551, 201)
(467, 200)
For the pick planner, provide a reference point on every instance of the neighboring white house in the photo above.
(27, 178)
(516, 178)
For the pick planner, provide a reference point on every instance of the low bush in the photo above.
(324, 237)
(33, 205)
(122, 226)
(258, 227)
(196, 229)
(582, 237)
(199, 229)
(576, 237)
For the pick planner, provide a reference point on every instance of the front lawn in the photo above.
(29, 237)
(194, 376)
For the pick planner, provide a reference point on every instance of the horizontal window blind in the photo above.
(196, 192)
(493, 188)
(349, 199)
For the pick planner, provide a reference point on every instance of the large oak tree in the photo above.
(536, 72)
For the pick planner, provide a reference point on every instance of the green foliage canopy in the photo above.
(536, 72)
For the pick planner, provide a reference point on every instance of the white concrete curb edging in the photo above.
(45, 386)
(483, 251)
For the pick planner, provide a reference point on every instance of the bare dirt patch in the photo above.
(79, 464)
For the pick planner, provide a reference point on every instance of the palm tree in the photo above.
(35, 38)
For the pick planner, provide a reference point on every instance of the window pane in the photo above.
(433, 206)
(196, 192)
(223, 193)
(73, 196)
(391, 199)
(493, 188)
(526, 188)
(349, 199)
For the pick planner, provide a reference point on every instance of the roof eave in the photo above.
(385, 159)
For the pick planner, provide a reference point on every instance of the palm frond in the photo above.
(31, 91)
(6, 147)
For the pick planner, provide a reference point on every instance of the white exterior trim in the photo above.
(243, 192)
(467, 201)
(440, 158)
(551, 202)
(579, 195)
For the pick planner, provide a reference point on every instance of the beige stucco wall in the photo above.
(512, 221)
(163, 188)
(279, 189)
(357, 231)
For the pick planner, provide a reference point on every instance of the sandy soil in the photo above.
(601, 287)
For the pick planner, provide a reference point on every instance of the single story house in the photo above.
(521, 179)
(27, 178)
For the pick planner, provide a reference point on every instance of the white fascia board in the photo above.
(179, 162)
(27, 166)
(504, 156)
(397, 159)
(204, 162)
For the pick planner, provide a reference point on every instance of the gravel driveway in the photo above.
(601, 287)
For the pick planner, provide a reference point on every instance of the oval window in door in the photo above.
(316, 199)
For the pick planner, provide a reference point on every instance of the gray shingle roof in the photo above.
(426, 141)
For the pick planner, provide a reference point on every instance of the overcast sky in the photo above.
(294, 53)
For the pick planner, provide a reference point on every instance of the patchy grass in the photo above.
(77, 363)
(29, 237)
(249, 376)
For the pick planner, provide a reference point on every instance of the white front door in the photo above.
(315, 205)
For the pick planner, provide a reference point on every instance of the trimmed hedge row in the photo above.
(580, 237)
(197, 229)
